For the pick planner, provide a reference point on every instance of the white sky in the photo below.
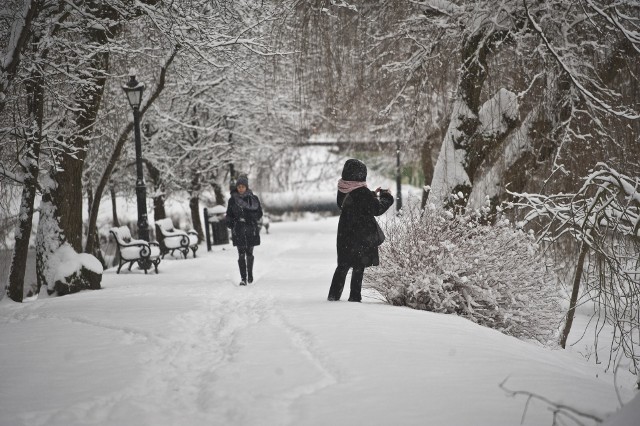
(190, 347)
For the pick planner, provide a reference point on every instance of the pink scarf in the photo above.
(346, 186)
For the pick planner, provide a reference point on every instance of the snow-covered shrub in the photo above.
(490, 274)
(74, 271)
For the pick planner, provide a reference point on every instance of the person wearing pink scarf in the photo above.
(357, 229)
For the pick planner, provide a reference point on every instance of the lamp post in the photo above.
(133, 89)
(230, 123)
(398, 178)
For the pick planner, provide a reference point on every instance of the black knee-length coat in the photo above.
(243, 213)
(357, 225)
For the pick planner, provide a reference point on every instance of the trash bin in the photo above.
(220, 232)
(216, 222)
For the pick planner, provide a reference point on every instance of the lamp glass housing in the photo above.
(134, 89)
(230, 121)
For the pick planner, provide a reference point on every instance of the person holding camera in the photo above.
(357, 240)
(243, 213)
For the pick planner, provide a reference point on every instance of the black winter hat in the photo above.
(354, 170)
(242, 180)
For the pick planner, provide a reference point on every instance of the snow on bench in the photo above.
(140, 251)
(172, 239)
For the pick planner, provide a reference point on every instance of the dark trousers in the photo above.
(339, 277)
(245, 263)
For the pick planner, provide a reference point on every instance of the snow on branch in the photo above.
(438, 7)
(13, 176)
(614, 205)
(497, 113)
(615, 19)
(594, 100)
(343, 3)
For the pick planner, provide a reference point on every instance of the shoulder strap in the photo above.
(344, 201)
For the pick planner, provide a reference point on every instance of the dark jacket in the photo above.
(243, 213)
(357, 225)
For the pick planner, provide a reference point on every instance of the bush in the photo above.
(490, 274)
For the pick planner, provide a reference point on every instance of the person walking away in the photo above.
(357, 243)
(243, 213)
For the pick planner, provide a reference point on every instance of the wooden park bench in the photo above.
(140, 251)
(172, 239)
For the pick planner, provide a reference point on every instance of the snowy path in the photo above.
(190, 347)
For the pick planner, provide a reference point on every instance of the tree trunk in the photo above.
(60, 219)
(60, 224)
(67, 199)
(584, 249)
(35, 109)
(194, 205)
(95, 235)
(48, 240)
(538, 139)
(155, 178)
(15, 287)
(426, 154)
(464, 148)
(217, 191)
(114, 209)
(159, 212)
(450, 173)
(61, 212)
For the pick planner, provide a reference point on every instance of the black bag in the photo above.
(380, 237)
(375, 238)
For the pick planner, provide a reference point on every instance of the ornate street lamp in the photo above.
(133, 89)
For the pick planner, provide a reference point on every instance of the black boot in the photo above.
(337, 283)
(356, 285)
(250, 268)
(243, 270)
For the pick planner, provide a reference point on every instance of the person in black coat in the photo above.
(243, 213)
(357, 228)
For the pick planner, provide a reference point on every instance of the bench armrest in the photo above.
(182, 239)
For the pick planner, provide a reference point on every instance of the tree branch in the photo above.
(559, 408)
(596, 101)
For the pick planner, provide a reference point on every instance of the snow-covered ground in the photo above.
(190, 347)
